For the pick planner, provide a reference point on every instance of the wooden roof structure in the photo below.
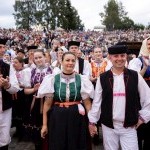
(133, 47)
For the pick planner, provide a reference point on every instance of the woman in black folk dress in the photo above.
(34, 106)
(18, 98)
(66, 94)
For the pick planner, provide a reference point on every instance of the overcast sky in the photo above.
(88, 10)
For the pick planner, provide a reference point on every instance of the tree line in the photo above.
(115, 17)
(60, 13)
(48, 13)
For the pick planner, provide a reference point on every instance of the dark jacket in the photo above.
(6, 96)
(132, 98)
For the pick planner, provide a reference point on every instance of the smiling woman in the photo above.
(33, 106)
(68, 62)
(39, 58)
(66, 93)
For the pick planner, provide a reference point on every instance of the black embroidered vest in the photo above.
(6, 97)
(132, 98)
(81, 65)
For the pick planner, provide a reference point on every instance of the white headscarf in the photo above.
(144, 51)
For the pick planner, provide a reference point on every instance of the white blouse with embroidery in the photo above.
(47, 86)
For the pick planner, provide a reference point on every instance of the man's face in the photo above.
(148, 45)
(74, 49)
(79, 54)
(118, 60)
(21, 55)
(2, 50)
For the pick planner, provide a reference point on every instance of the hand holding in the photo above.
(44, 131)
(92, 130)
(93, 79)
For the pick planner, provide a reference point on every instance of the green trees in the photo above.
(115, 17)
(24, 15)
(49, 13)
(111, 16)
(67, 15)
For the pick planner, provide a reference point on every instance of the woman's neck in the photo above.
(41, 67)
(68, 73)
(19, 69)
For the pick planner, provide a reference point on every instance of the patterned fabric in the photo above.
(37, 75)
(32, 116)
(60, 93)
(97, 69)
(67, 127)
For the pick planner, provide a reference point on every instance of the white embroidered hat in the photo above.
(144, 51)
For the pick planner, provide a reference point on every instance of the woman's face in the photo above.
(98, 53)
(39, 59)
(17, 65)
(68, 63)
(59, 54)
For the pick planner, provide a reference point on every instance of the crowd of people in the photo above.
(57, 88)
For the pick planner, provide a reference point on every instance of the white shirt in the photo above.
(135, 64)
(119, 100)
(47, 86)
(86, 68)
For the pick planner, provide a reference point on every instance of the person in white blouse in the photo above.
(33, 107)
(121, 102)
(57, 63)
(66, 93)
(18, 99)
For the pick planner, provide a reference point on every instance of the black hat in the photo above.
(117, 49)
(32, 47)
(73, 43)
(3, 41)
(20, 51)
